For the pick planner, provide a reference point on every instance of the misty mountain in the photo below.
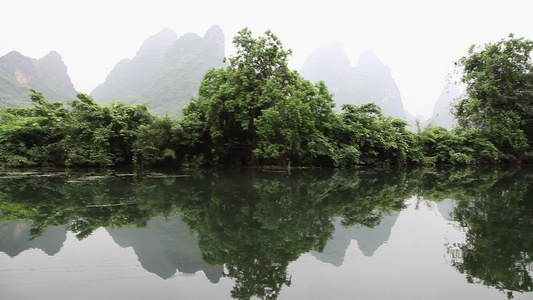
(131, 77)
(442, 115)
(19, 73)
(369, 81)
(166, 71)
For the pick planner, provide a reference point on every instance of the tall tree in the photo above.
(499, 99)
(257, 110)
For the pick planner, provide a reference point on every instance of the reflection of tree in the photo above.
(496, 211)
(365, 197)
(85, 206)
(453, 183)
(256, 227)
(498, 250)
(256, 223)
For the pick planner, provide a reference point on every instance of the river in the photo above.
(427, 233)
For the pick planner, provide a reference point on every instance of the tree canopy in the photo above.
(88, 134)
(257, 109)
(499, 100)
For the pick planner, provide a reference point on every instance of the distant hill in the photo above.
(131, 77)
(166, 71)
(442, 115)
(369, 81)
(19, 73)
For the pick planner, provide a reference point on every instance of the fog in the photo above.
(418, 40)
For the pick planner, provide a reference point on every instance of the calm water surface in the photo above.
(304, 234)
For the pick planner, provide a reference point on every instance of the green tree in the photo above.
(157, 142)
(89, 134)
(435, 145)
(364, 135)
(32, 136)
(499, 99)
(257, 110)
(103, 135)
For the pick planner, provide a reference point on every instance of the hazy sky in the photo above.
(418, 40)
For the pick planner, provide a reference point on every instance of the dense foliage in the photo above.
(499, 105)
(256, 111)
(88, 134)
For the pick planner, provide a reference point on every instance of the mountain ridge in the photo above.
(167, 80)
(20, 73)
(370, 80)
(442, 115)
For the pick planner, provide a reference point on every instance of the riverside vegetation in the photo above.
(256, 111)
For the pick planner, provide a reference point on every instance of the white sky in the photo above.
(418, 39)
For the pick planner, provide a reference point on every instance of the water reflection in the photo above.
(498, 221)
(15, 238)
(250, 225)
(165, 246)
(369, 239)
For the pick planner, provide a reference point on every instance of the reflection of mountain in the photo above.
(15, 238)
(164, 246)
(368, 240)
(446, 208)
